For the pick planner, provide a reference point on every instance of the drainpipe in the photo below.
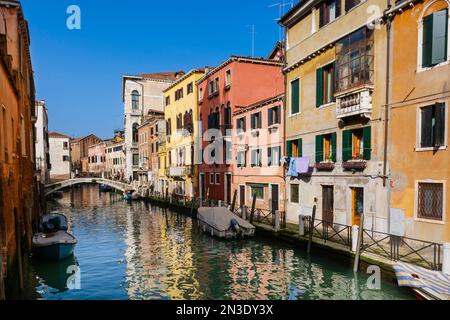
(386, 182)
(388, 84)
(284, 119)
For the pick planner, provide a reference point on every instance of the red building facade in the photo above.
(236, 83)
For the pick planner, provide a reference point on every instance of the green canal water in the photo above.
(136, 251)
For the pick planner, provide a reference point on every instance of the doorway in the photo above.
(328, 204)
(357, 205)
(275, 197)
(228, 187)
(242, 196)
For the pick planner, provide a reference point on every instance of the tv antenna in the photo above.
(281, 8)
(253, 33)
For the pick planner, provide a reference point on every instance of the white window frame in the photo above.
(228, 83)
(420, 38)
(416, 201)
(290, 193)
(323, 106)
(290, 97)
(419, 127)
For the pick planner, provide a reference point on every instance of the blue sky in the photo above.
(79, 72)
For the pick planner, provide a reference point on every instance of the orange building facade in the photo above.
(419, 108)
(18, 185)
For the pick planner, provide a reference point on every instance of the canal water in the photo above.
(136, 251)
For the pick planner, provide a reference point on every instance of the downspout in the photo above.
(284, 119)
(386, 106)
(386, 179)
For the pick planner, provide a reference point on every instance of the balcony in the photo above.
(356, 102)
(180, 171)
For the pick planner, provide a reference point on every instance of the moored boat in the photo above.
(221, 222)
(426, 284)
(105, 188)
(54, 241)
(54, 246)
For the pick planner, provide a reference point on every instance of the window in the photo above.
(349, 4)
(135, 159)
(66, 158)
(274, 116)
(211, 178)
(256, 158)
(200, 94)
(240, 125)
(228, 78)
(329, 11)
(179, 94)
(274, 156)
(258, 191)
(434, 41)
(214, 120)
(357, 144)
(295, 194)
(294, 148)
(227, 117)
(256, 121)
(211, 88)
(326, 147)
(355, 60)
(167, 100)
(190, 88)
(430, 201)
(241, 159)
(217, 178)
(325, 85)
(295, 96)
(135, 100)
(432, 124)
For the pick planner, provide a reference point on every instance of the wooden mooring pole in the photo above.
(2, 273)
(233, 204)
(252, 213)
(359, 242)
(311, 228)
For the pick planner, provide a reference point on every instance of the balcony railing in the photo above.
(356, 102)
(181, 171)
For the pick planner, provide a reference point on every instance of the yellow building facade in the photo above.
(179, 156)
(335, 89)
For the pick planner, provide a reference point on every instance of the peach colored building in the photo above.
(97, 158)
(258, 144)
(239, 81)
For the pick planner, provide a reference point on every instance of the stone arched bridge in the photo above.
(54, 187)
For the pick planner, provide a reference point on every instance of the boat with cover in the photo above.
(221, 222)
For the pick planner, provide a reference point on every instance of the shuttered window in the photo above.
(325, 79)
(274, 116)
(256, 121)
(294, 148)
(433, 126)
(240, 125)
(295, 96)
(273, 155)
(329, 11)
(357, 144)
(326, 148)
(256, 158)
(434, 42)
(242, 159)
(430, 201)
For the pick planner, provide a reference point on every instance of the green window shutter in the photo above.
(334, 147)
(367, 141)
(319, 149)
(289, 149)
(346, 145)
(427, 42)
(319, 87)
(439, 45)
(295, 96)
(300, 148)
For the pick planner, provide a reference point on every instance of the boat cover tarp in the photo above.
(220, 218)
(43, 240)
(420, 278)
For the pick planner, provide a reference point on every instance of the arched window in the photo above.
(433, 36)
(135, 133)
(135, 96)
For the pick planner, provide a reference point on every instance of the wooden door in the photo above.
(357, 205)
(328, 204)
(275, 198)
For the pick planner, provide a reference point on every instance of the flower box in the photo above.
(325, 166)
(355, 165)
